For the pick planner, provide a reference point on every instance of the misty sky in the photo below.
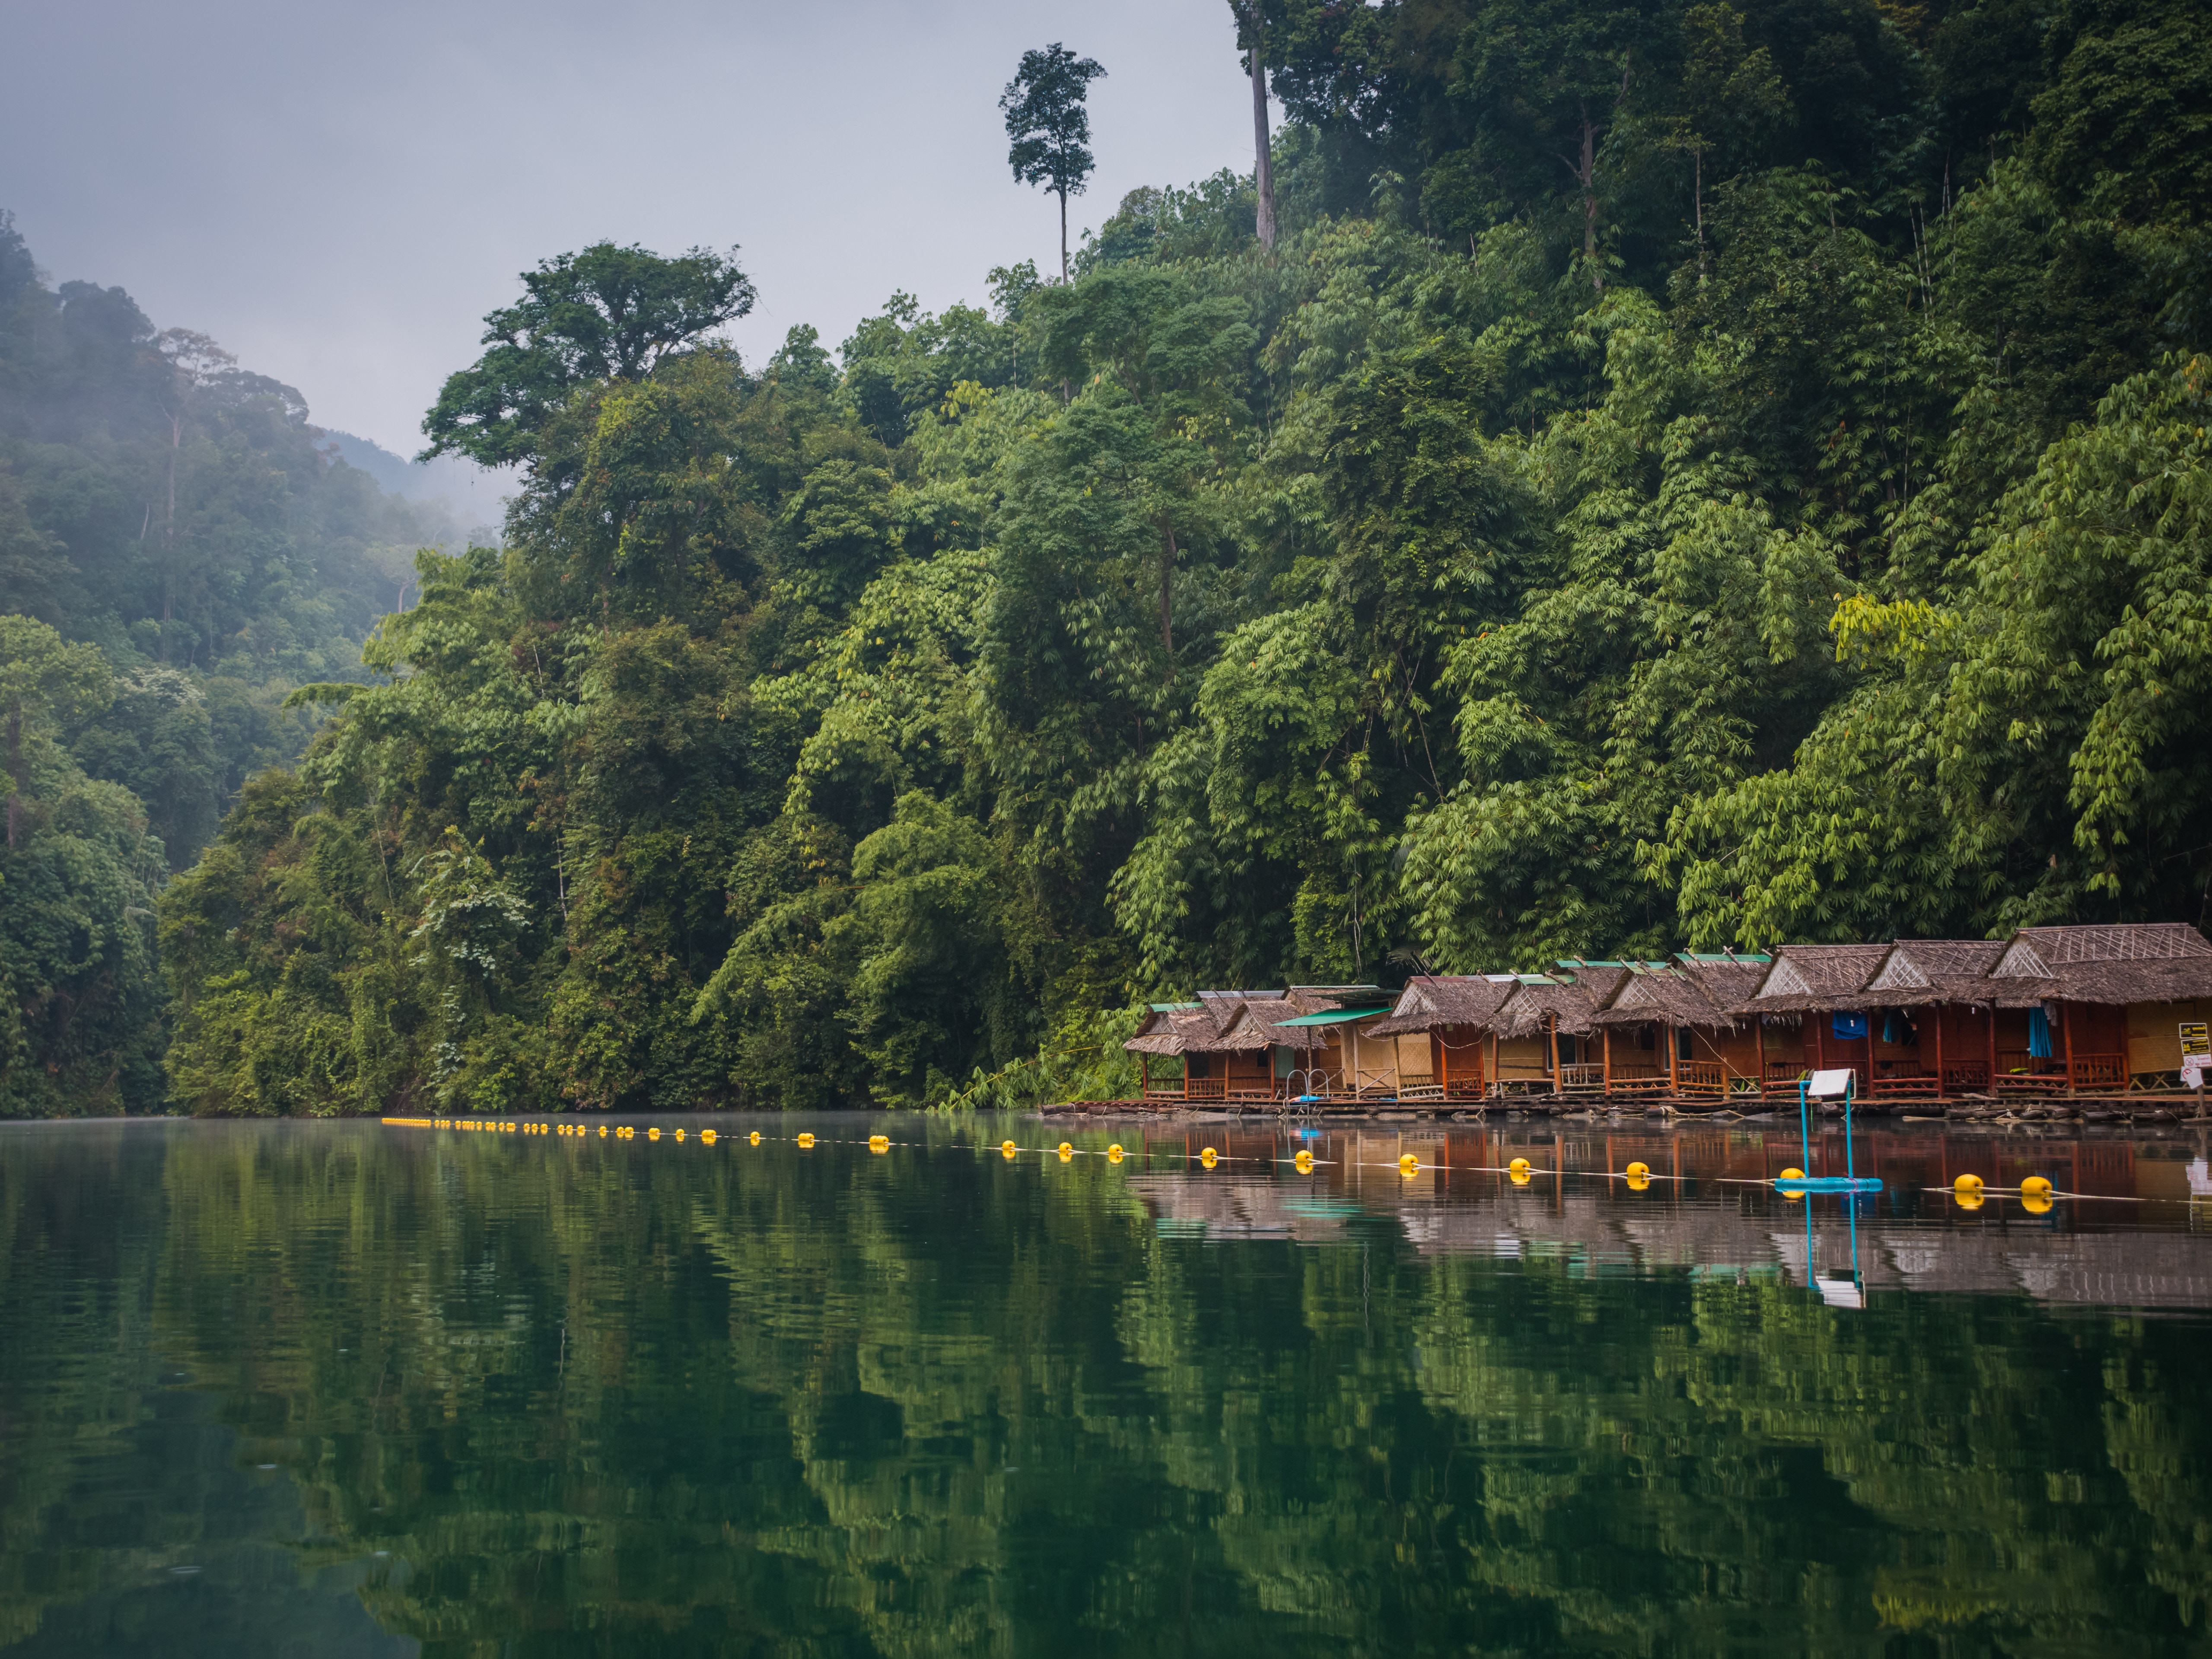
(339, 193)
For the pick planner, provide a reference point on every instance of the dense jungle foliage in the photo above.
(177, 551)
(1685, 473)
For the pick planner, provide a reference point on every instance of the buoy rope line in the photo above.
(1306, 1162)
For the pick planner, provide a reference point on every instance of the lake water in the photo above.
(351, 1388)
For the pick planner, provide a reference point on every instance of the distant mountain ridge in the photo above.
(474, 494)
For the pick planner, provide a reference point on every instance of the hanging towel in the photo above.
(2038, 1034)
(1892, 1027)
(1849, 1028)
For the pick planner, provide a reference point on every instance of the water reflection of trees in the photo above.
(704, 1400)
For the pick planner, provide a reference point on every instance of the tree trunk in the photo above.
(1063, 236)
(14, 771)
(1263, 172)
(1698, 197)
(1587, 174)
(1167, 576)
(169, 524)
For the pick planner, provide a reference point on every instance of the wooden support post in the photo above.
(2066, 1041)
(1144, 1071)
(1606, 1060)
(1673, 1049)
(1992, 1086)
(1939, 1049)
(1758, 1040)
(1557, 1085)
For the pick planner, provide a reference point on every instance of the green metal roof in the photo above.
(1174, 1007)
(1334, 1017)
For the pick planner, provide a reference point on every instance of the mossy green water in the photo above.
(348, 1388)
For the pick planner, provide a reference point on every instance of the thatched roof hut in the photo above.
(1806, 977)
(2117, 964)
(1536, 1002)
(1671, 996)
(1432, 1002)
(1919, 973)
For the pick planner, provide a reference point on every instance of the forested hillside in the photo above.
(1683, 474)
(176, 552)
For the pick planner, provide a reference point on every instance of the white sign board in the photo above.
(1826, 1083)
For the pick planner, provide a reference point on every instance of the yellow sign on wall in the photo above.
(2196, 1038)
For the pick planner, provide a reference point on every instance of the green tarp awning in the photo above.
(1334, 1017)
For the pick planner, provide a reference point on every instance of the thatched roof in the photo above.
(1432, 1001)
(1531, 1009)
(1172, 1028)
(1668, 994)
(2119, 983)
(2114, 964)
(1246, 1029)
(2041, 951)
(1725, 981)
(1813, 976)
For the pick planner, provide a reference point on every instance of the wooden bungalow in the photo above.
(1162, 1035)
(1323, 1027)
(1219, 1047)
(1674, 1028)
(1802, 1016)
(1929, 1013)
(1546, 1037)
(2119, 1006)
(1441, 1026)
(1237, 1061)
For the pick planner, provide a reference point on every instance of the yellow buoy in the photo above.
(1006, 1150)
(1793, 1173)
(1065, 1150)
(1519, 1166)
(705, 1137)
(753, 1140)
(679, 1135)
(1114, 1153)
(2035, 1187)
(2036, 1203)
(602, 1132)
(1639, 1170)
(1208, 1157)
(805, 1142)
(1967, 1186)
(879, 1143)
(653, 1134)
(1409, 1165)
(1639, 1184)
(1303, 1163)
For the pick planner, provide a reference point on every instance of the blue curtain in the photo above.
(2038, 1034)
(1849, 1028)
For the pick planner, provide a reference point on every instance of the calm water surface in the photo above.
(358, 1389)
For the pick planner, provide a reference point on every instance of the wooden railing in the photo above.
(1965, 1079)
(2021, 1073)
(1892, 1078)
(1700, 1077)
(1638, 1078)
(1582, 1079)
(2097, 1070)
(1206, 1088)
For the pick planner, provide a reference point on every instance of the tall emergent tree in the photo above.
(1050, 127)
(1252, 32)
(606, 313)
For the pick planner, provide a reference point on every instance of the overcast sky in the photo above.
(339, 193)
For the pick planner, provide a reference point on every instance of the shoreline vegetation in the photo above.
(1665, 478)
